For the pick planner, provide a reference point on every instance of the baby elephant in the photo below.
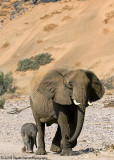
(29, 133)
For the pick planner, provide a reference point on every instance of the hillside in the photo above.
(77, 34)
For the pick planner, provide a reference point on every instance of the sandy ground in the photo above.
(96, 135)
(77, 33)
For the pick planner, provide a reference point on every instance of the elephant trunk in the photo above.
(80, 121)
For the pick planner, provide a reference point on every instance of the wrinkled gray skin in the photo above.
(52, 101)
(29, 133)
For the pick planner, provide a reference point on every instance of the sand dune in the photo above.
(78, 34)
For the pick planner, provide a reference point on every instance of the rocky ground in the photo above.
(95, 142)
(10, 9)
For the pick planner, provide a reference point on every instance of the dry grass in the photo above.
(78, 64)
(106, 30)
(109, 82)
(39, 41)
(45, 16)
(5, 45)
(50, 27)
(26, 23)
(109, 104)
(50, 15)
(3, 13)
(56, 12)
(109, 147)
(109, 16)
(6, 6)
(66, 18)
(66, 7)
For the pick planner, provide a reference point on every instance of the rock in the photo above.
(26, 0)
(16, 6)
(12, 15)
(2, 21)
(24, 9)
(47, 1)
(34, 1)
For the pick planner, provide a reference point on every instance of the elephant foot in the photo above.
(29, 151)
(23, 149)
(67, 152)
(55, 148)
(40, 152)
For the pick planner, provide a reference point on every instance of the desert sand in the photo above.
(77, 34)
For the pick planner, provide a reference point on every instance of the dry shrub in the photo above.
(50, 27)
(106, 30)
(109, 82)
(50, 15)
(5, 45)
(2, 102)
(3, 13)
(6, 6)
(26, 23)
(109, 147)
(109, 16)
(56, 12)
(66, 18)
(108, 104)
(39, 41)
(45, 16)
(66, 7)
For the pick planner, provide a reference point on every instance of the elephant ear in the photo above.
(96, 88)
(52, 86)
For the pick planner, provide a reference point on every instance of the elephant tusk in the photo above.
(76, 103)
(89, 103)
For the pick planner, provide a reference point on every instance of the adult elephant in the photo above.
(62, 97)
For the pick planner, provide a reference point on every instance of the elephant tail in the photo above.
(17, 110)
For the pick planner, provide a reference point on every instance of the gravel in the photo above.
(97, 132)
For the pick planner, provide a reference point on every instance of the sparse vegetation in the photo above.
(3, 13)
(109, 147)
(50, 27)
(6, 81)
(2, 102)
(5, 45)
(66, 18)
(109, 82)
(109, 16)
(39, 41)
(35, 62)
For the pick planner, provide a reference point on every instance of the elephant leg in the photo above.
(31, 144)
(65, 132)
(24, 147)
(41, 143)
(55, 147)
(28, 144)
(26, 140)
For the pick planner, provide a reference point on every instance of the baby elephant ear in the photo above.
(96, 89)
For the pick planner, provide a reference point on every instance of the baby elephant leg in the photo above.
(24, 147)
(27, 144)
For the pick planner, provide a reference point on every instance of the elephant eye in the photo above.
(70, 83)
